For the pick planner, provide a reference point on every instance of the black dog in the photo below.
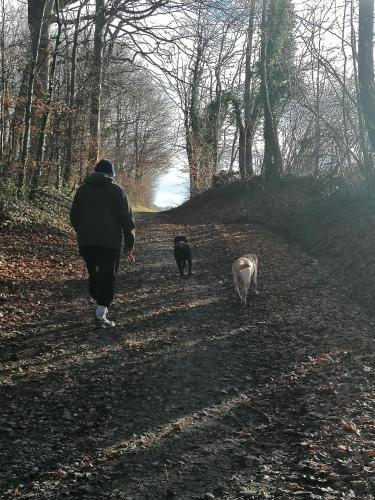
(182, 253)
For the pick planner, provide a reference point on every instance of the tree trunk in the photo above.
(241, 138)
(248, 157)
(2, 90)
(14, 136)
(242, 152)
(72, 94)
(218, 119)
(317, 131)
(272, 153)
(35, 33)
(234, 150)
(43, 125)
(39, 12)
(96, 81)
(366, 66)
(190, 154)
(217, 123)
(366, 164)
(194, 131)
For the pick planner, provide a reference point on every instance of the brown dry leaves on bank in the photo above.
(33, 265)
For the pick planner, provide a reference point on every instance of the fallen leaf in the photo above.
(177, 426)
(87, 461)
(340, 450)
(324, 357)
(350, 426)
(244, 434)
(59, 473)
(16, 491)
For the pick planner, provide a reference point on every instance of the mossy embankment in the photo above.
(336, 229)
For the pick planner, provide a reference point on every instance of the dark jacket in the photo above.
(101, 214)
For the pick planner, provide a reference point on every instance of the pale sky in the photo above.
(172, 188)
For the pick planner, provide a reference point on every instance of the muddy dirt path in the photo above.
(190, 397)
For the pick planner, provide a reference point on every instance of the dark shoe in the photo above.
(104, 323)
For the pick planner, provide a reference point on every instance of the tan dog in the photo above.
(245, 270)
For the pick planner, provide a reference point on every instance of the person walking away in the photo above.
(101, 216)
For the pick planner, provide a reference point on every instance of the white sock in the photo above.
(101, 311)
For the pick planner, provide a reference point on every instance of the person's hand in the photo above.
(129, 256)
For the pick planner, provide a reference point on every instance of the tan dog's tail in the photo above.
(243, 264)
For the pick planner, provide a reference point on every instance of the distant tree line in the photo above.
(264, 87)
(74, 87)
(279, 88)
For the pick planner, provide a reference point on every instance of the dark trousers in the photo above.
(102, 265)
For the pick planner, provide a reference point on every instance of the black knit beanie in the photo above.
(105, 167)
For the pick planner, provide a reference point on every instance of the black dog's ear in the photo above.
(180, 238)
